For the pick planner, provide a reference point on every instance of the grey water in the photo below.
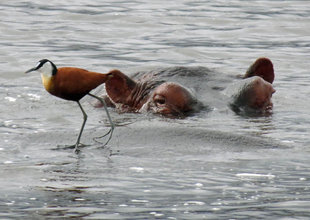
(212, 165)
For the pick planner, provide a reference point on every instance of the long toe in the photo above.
(74, 146)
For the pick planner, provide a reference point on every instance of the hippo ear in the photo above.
(119, 86)
(262, 67)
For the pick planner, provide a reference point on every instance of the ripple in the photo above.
(194, 203)
(215, 165)
(255, 175)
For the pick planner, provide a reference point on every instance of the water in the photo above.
(214, 165)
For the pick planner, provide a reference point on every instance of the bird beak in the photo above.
(30, 70)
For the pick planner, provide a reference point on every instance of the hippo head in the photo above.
(165, 98)
(170, 99)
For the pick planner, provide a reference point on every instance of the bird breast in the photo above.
(47, 82)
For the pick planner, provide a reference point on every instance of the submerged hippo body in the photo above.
(161, 91)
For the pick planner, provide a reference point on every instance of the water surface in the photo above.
(215, 165)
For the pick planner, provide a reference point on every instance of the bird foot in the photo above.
(76, 147)
(96, 139)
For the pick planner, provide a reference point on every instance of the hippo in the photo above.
(162, 91)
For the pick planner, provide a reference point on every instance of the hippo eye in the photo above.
(160, 101)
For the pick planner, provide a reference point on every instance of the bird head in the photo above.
(45, 67)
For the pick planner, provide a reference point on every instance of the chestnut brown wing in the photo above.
(74, 83)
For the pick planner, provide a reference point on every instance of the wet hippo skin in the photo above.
(162, 91)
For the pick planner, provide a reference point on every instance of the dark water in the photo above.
(213, 165)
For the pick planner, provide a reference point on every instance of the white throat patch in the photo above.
(46, 69)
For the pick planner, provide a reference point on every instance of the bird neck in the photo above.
(47, 81)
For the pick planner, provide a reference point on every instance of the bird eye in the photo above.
(38, 64)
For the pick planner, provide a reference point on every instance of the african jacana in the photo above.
(72, 84)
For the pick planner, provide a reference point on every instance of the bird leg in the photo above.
(109, 117)
(76, 149)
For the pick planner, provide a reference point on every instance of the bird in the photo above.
(72, 84)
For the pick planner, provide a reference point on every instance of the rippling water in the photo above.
(215, 166)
